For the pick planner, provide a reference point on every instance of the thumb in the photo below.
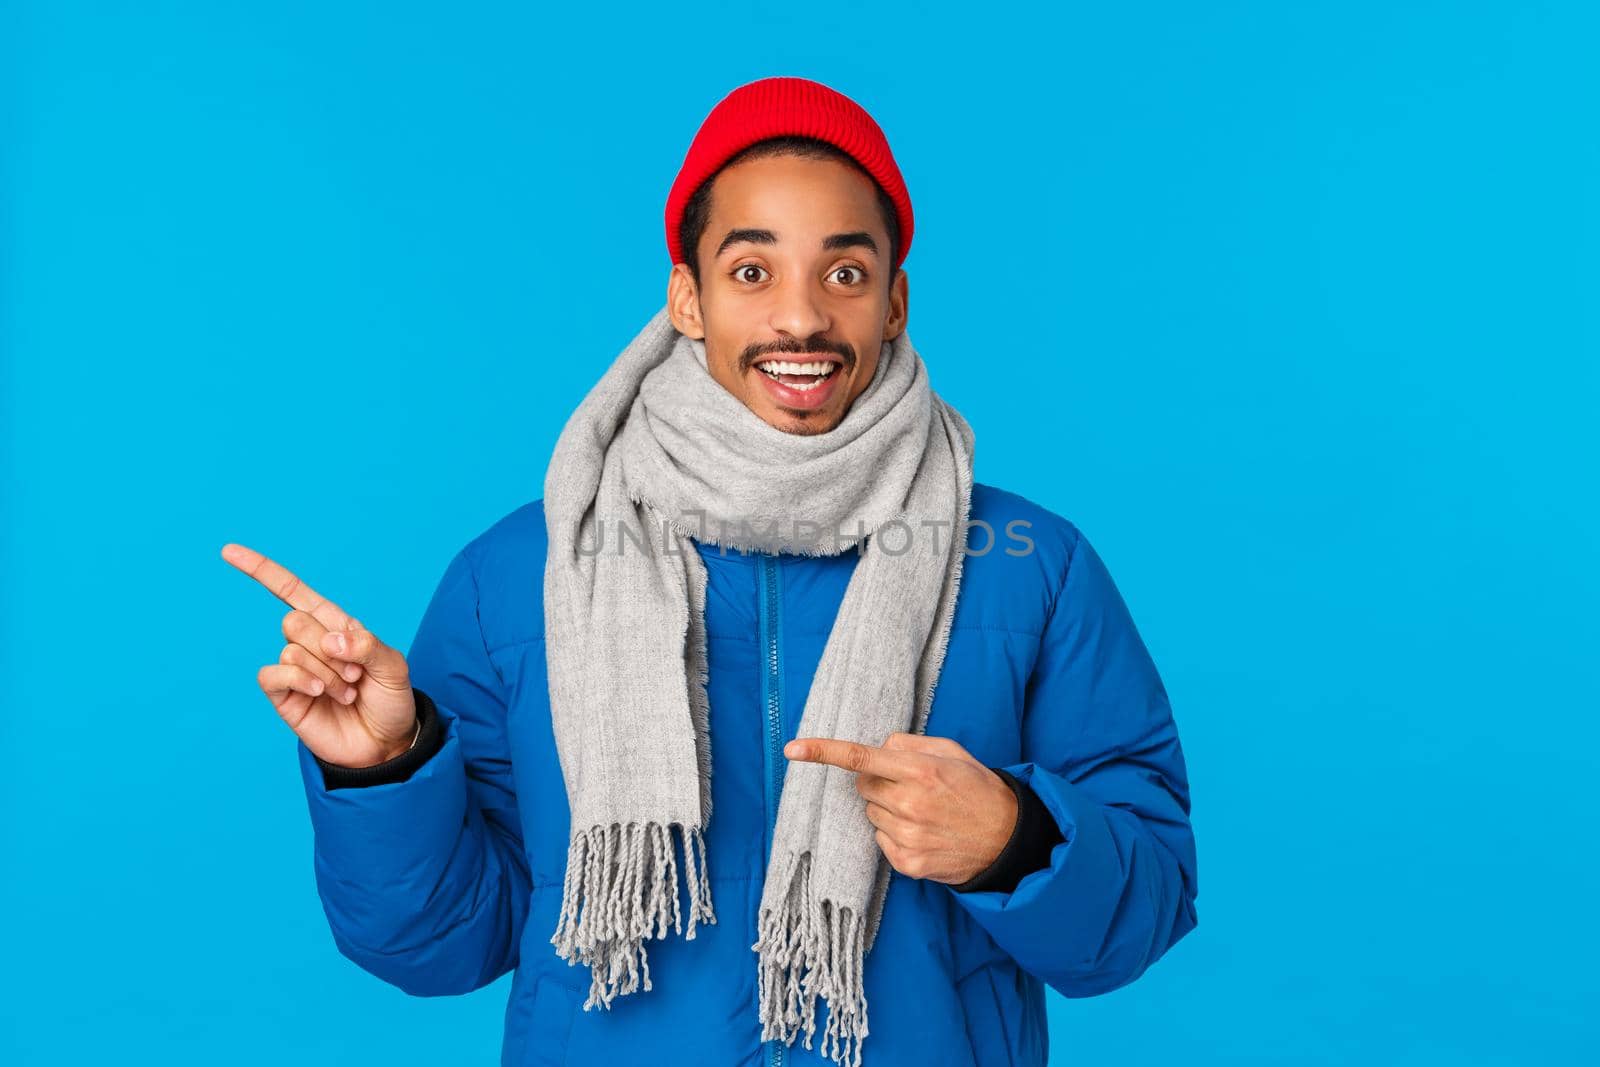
(357, 644)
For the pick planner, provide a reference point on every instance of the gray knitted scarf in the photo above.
(659, 454)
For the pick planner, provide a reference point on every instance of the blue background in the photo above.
(1292, 308)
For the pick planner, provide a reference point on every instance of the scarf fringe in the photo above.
(810, 948)
(626, 878)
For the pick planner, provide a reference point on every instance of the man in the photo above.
(759, 549)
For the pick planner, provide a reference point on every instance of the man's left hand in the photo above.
(940, 813)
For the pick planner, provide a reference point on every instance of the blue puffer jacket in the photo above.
(442, 883)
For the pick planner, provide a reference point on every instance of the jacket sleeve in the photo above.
(1100, 749)
(424, 881)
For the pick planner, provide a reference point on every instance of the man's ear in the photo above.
(899, 306)
(683, 302)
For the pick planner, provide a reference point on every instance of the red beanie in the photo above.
(774, 106)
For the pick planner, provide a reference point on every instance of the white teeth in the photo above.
(776, 366)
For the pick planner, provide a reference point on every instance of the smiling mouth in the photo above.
(800, 385)
(799, 375)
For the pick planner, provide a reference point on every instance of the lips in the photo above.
(804, 382)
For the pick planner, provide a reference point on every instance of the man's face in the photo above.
(793, 265)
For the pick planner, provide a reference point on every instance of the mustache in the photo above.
(794, 346)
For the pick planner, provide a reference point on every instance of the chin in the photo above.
(814, 422)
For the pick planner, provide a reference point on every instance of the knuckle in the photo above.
(274, 679)
(304, 659)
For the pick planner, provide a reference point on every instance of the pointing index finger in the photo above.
(850, 755)
(285, 585)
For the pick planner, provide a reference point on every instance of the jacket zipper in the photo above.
(772, 691)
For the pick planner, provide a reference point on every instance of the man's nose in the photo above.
(799, 311)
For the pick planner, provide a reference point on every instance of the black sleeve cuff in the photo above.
(429, 741)
(1028, 850)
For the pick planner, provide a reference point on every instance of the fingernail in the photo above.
(351, 672)
(350, 695)
(338, 643)
(316, 687)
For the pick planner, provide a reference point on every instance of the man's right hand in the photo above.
(344, 692)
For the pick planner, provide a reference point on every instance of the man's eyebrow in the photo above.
(858, 239)
(759, 237)
(831, 243)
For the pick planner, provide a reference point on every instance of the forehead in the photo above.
(798, 199)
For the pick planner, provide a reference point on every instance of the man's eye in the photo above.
(743, 273)
(857, 274)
